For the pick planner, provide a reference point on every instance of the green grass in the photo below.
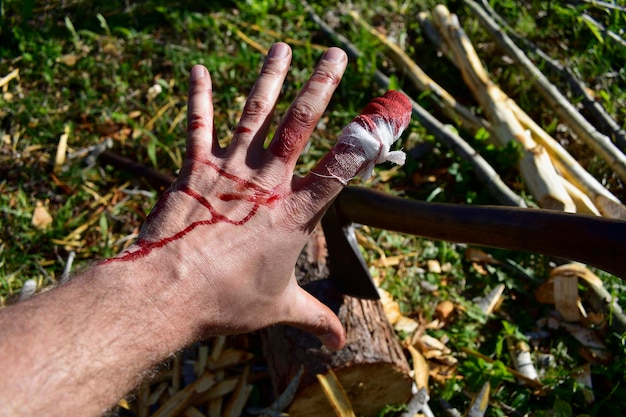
(89, 67)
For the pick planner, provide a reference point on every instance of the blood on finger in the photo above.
(196, 122)
(287, 144)
(242, 129)
(367, 140)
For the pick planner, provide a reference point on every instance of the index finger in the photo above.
(304, 113)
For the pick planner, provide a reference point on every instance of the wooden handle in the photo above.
(596, 241)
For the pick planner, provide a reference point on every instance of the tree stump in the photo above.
(371, 367)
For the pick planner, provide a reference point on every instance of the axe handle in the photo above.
(596, 241)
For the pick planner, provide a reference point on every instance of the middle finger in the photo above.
(257, 113)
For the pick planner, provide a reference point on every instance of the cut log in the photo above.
(371, 367)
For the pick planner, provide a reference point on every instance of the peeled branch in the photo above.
(599, 142)
(535, 166)
(596, 113)
(484, 171)
(448, 104)
(565, 163)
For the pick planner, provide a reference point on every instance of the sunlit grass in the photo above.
(119, 72)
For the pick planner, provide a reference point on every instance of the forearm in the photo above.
(91, 342)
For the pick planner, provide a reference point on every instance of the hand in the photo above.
(215, 256)
(230, 229)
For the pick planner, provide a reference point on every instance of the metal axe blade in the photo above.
(347, 267)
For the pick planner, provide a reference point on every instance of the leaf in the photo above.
(595, 30)
(394, 84)
(103, 24)
(41, 217)
(70, 26)
(562, 408)
(151, 150)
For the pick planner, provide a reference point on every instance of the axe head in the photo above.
(348, 269)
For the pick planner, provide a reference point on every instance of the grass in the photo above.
(91, 69)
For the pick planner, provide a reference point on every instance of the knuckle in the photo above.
(257, 106)
(272, 69)
(326, 76)
(196, 120)
(305, 114)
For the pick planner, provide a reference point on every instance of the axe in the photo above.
(596, 241)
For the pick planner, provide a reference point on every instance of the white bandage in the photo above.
(374, 146)
(367, 140)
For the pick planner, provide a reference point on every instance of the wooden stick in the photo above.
(567, 165)
(484, 171)
(600, 143)
(448, 104)
(603, 199)
(597, 114)
(536, 168)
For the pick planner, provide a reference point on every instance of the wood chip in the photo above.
(219, 390)
(420, 368)
(193, 412)
(433, 266)
(177, 404)
(15, 74)
(218, 347)
(41, 217)
(390, 306)
(480, 402)
(477, 255)
(522, 358)
(406, 324)
(593, 347)
(490, 301)
(335, 394)
(444, 310)
(566, 296)
(240, 395)
(59, 159)
(228, 358)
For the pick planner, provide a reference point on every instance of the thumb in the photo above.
(311, 315)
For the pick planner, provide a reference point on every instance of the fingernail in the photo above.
(334, 55)
(278, 50)
(331, 341)
(197, 72)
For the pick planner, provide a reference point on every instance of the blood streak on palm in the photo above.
(246, 191)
